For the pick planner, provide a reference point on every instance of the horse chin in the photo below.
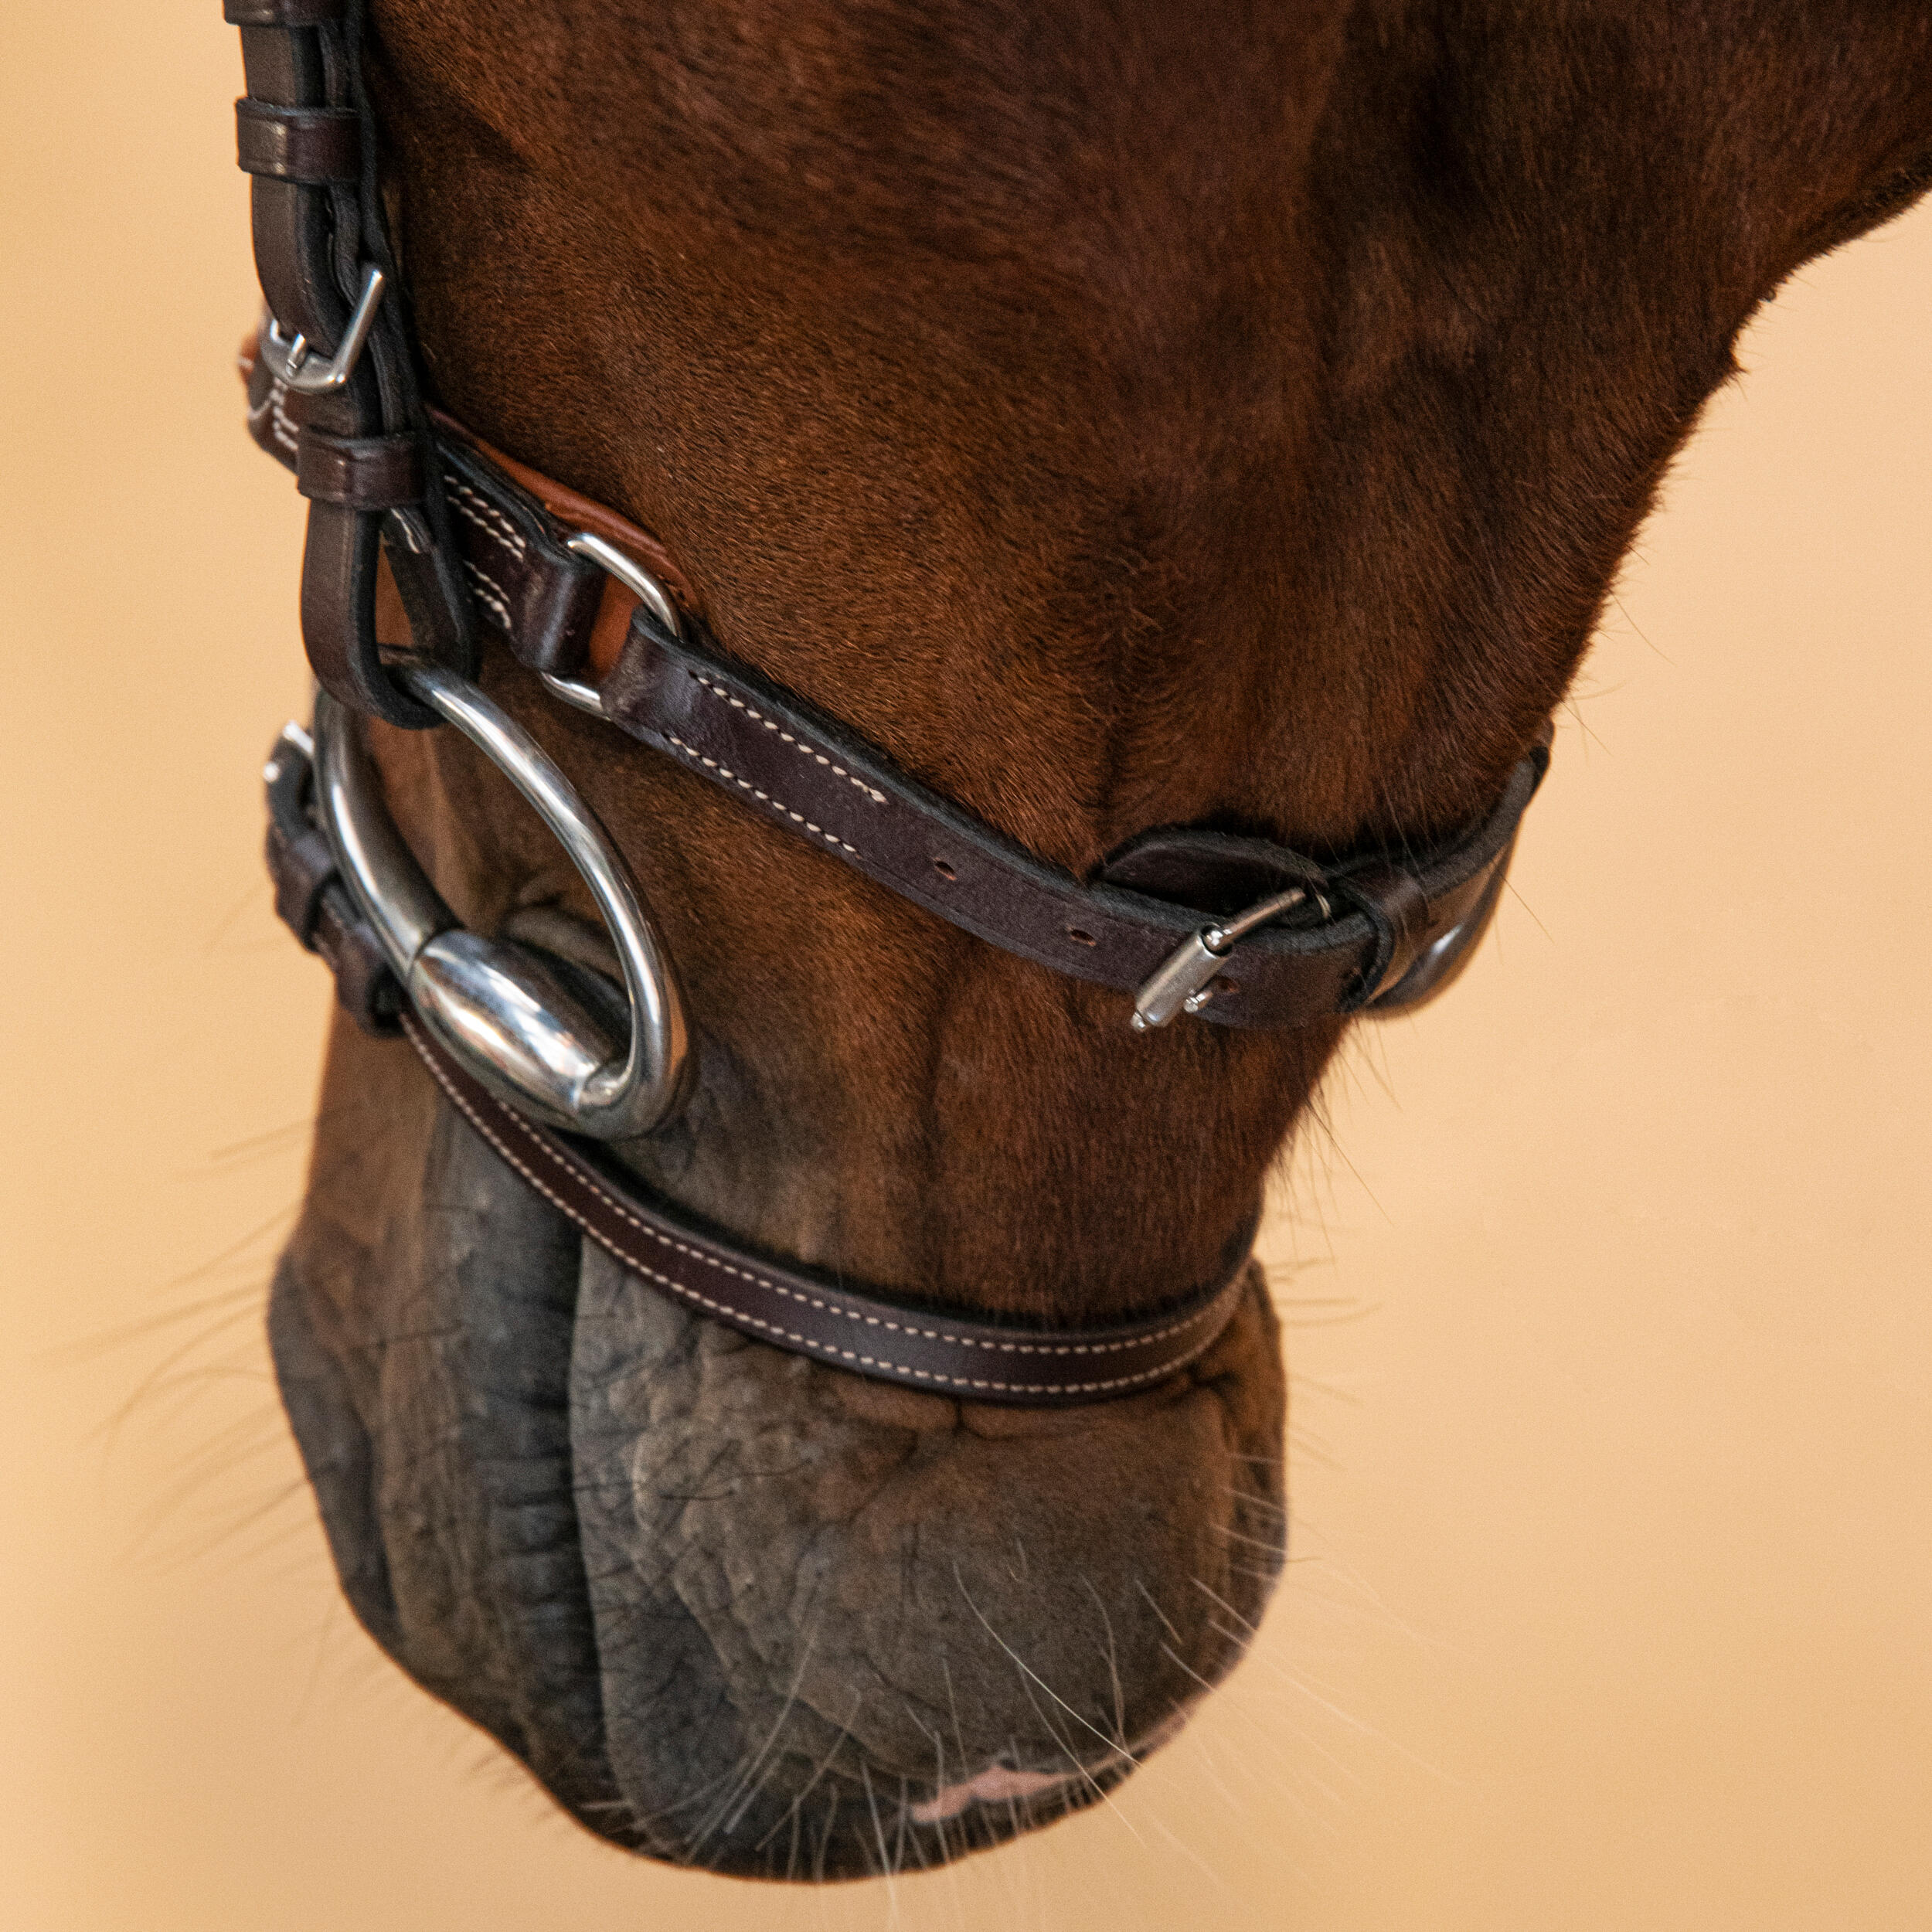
(737, 1610)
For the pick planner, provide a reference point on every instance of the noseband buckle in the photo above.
(1184, 981)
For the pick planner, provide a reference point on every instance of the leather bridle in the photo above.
(548, 1058)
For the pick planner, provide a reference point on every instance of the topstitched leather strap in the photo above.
(948, 1354)
(808, 773)
(559, 613)
(417, 529)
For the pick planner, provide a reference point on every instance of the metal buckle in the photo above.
(1183, 982)
(509, 1011)
(641, 585)
(290, 359)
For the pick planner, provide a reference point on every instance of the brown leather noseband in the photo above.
(407, 506)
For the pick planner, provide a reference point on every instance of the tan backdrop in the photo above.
(1612, 1575)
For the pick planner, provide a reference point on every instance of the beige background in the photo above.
(1607, 1292)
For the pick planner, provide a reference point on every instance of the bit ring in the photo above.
(562, 1043)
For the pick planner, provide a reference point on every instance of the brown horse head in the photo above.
(1127, 416)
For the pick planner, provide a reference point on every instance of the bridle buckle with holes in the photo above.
(1184, 981)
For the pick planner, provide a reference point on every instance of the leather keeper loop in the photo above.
(1393, 901)
(359, 472)
(300, 866)
(281, 13)
(366, 987)
(313, 145)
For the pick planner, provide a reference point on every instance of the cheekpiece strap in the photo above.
(338, 333)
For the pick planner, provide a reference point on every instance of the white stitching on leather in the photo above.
(730, 1313)
(485, 515)
(745, 784)
(797, 743)
(492, 594)
(279, 425)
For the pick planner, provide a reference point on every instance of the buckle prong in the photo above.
(291, 359)
(1184, 981)
(639, 583)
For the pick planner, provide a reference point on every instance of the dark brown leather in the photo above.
(319, 227)
(525, 583)
(460, 526)
(359, 472)
(1213, 872)
(314, 903)
(312, 145)
(1392, 900)
(843, 796)
(943, 1352)
(570, 510)
(1457, 923)
(293, 223)
(558, 612)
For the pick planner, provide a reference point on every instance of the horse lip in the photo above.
(493, 1351)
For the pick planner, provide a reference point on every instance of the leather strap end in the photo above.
(300, 866)
(340, 561)
(366, 988)
(312, 902)
(314, 146)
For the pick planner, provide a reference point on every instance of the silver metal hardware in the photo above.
(291, 734)
(291, 359)
(532, 1029)
(575, 691)
(641, 585)
(1183, 982)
